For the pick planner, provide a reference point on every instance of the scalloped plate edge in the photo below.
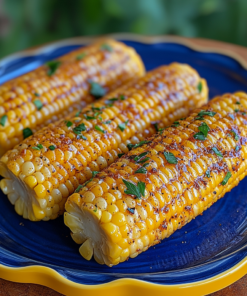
(50, 278)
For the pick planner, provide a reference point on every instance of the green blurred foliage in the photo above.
(25, 23)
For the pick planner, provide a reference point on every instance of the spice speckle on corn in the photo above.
(60, 87)
(123, 212)
(41, 172)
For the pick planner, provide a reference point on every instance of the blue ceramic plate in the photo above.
(208, 246)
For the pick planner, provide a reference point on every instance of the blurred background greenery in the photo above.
(25, 23)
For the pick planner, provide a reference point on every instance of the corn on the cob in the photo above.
(130, 206)
(46, 168)
(57, 88)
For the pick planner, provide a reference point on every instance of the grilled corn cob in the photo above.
(157, 188)
(46, 168)
(55, 89)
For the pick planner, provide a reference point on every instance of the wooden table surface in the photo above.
(237, 289)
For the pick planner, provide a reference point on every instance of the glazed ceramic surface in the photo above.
(210, 245)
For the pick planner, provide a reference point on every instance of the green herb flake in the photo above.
(122, 98)
(199, 118)
(52, 67)
(27, 132)
(81, 137)
(52, 147)
(175, 124)
(204, 128)
(199, 87)
(78, 113)
(156, 127)
(81, 56)
(136, 190)
(96, 90)
(243, 113)
(3, 120)
(236, 136)
(142, 170)
(106, 47)
(80, 128)
(131, 210)
(217, 152)
(36, 94)
(138, 157)
(78, 188)
(131, 146)
(38, 147)
(99, 129)
(170, 157)
(95, 210)
(238, 103)
(209, 113)
(69, 123)
(38, 104)
(207, 173)
(88, 117)
(236, 110)
(122, 126)
(107, 122)
(227, 177)
(199, 136)
(120, 154)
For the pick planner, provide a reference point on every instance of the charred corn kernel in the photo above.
(72, 150)
(188, 188)
(46, 98)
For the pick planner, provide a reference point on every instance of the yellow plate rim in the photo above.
(50, 278)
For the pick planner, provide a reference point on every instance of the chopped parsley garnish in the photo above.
(52, 67)
(81, 137)
(207, 173)
(107, 122)
(138, 157)
(156, 127)
(99, 129)
(131, 210)
(227, 177)
(38, 104)
(88, 117)
(120, 154)
(236, 110)
(217, 152)
(81, 56)
(52, 147)
(3, 120)
(95, 210)
(94, 109)
(121, 97)
(209, 113)
(96, 90)
(131, 146)
(79, 128)
(204, 129)
(238, 103)
(27, 132)
(78, 188)
(142, 170)
(38, 147)
(69, 123)
(137, 190)
(78, 113)
(122, 126)
(175, 124)
(237, 148)
(199, 136)
(199, 87)
(199, 118)
(243, 113)
(36, 94)
(106, 47)
(236, 136)
(170, 157)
